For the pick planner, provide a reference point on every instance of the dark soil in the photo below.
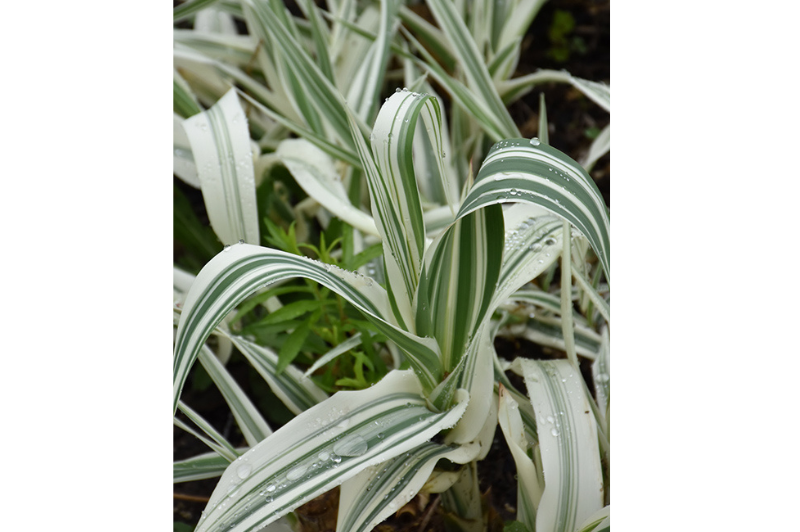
(571, 116)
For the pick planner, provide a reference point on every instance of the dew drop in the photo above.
(603, 377)
(554, 431)
(353, 445)
(536, 247)
(271, 488)
(535, 141)
(297, 472)
(243, 470)
(336, 458)
(550, 419)
(324, 455)
(549, 241)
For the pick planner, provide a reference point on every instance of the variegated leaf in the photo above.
(221, 148)
(322, 448)
(241, 269)
(529, 171)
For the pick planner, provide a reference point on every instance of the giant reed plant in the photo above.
(453, 260)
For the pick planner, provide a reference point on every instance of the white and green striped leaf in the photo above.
(222, 152)
(470, 59)
(294, 389)
(200, 467)
(573, 488)
(394, 193)
(533, 241)
(214, 21)
(182, 159)
(320, 36)
(599, 147)
(462, 501)
(187, 9)
(512, 19)
(368, 80)
(474, 374)
(514, 89)
(467, 99)
(314, 96)
(529, 171)
(241, 269)
(212, 438)
(430, 35)
(315, 172)
(548, 331)
(458, 281)
(600, 304)
(599, 521)
(601, 373)
(253, 426)
(235, 50)
(322, 448)
(567, 325)
(184, 102)
(529, 489)
(338, 152)
(379, 491)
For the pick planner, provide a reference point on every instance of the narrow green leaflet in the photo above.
(222, 152)
(568, 442)
(529, 171)
(253, 426)
(322, 448)
(315, 172)
(529, 489)
(241, 269)
(351, 343)
(379, 491)
(206, 465)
